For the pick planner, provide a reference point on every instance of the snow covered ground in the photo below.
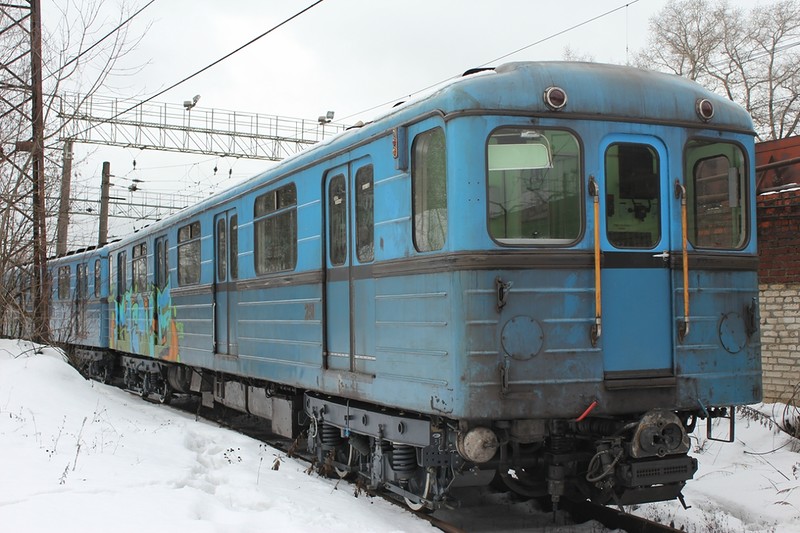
(78, 456)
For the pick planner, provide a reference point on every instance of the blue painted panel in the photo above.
(337, 328)
(280, 333)
(637, 320)
(364, 348)
(193, 317)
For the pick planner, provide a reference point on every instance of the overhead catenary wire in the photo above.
(210, 65)
(540, 41)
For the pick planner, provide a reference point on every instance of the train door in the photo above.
(226, 272)
(81, 296)
(349, 244)
(338, 291)
(160, 290)
(637, 308)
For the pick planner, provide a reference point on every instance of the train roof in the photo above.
(599, 91)
(594, 91)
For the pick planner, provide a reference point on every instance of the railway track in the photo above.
(482, 510)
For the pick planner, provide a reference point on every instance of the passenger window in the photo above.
(715, 186)
(365, 215)
(139, 267)
(63, 282)
(98, 273)
(189, 254)
(234, 246)
(534, 186)
(337, 215)
(633, 192)
(275, 224)
(429, 190)
(122, 274)
(82, 281)
(222, 250)
(161, 264)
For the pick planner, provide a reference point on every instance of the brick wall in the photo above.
(779, 278)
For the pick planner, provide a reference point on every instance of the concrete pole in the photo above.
(41, 292)
(105, 185)
(62, 226)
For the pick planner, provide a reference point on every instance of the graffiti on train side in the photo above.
(136, 329)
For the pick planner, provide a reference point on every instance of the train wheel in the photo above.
(106, 374)
(145, 386)
(164, 392)
(423, 489)
(347, 458)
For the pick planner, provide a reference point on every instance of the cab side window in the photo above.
(429, 190)
(716, 177)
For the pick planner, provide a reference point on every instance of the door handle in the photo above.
(663, 255)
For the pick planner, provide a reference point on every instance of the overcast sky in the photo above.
(348, 56)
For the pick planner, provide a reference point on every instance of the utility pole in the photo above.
(62, 227)
(104, 194)
(41, 292)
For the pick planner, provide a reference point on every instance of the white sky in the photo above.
(349, 56)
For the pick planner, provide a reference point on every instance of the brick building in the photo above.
(778, 215)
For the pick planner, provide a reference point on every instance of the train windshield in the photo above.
(716, 174)
(534, 191)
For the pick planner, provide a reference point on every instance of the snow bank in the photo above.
(80, 456)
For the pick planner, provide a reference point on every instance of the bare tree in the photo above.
(748, 55)
(83, 50)
(570, 54)
(684, 37)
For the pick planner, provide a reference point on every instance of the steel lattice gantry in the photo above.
(187, 129)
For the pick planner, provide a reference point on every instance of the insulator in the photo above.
(331, 436)
(404, 458)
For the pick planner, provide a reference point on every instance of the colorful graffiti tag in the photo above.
(138, 327)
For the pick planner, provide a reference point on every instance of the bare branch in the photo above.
(746, 55)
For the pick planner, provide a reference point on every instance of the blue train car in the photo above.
(79, 292)
(78, 314)
(544, 272)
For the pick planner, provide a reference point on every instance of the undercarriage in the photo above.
(423, 460)
(618, 461)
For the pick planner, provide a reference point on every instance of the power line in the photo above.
(554, 35)
(540, 41)
(223, 58)
(226, 56)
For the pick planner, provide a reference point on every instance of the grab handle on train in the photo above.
(597, 327)
(683, 328)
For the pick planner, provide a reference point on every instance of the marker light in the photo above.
(704, 109)
(555, 98)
